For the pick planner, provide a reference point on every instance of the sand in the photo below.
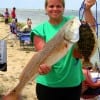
(17, 58)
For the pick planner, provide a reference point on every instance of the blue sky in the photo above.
(39, 4)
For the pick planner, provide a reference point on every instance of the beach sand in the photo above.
(17, 58)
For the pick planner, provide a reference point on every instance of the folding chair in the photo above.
(24, 39)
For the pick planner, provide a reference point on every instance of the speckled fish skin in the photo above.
(87, 43)
(53, 51)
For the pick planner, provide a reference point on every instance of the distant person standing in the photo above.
(6, 16)
(13, 13)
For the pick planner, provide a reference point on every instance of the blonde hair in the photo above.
(63, 3)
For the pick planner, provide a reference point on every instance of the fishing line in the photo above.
(81, 17)
(81, 11)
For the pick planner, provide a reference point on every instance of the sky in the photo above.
(39, 4)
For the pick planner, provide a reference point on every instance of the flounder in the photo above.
(87, 43)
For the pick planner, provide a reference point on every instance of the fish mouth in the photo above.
(72, 30)
(75, 36)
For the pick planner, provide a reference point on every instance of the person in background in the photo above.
(13, 13)
(64, 79)
(13, 26)
(27, 27)
(13, 31)
(91, 85)
(6, 16)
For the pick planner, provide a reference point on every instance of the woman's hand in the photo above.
(44, 69)
(76, 53)
(89, 3)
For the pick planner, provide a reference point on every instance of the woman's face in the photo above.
(54, 9)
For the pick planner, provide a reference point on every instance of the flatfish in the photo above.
(87, 43)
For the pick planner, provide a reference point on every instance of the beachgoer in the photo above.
(13, 31)
(91, 85)
(6, 16)
(27, 27)
(13, 13)
(64, 79)
(25, 31)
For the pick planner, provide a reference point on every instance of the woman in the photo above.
(65, 78)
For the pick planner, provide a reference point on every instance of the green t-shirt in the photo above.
(68, 71)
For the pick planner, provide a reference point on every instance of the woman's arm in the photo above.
(89, 19)
(38, 42)
(88, 13)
